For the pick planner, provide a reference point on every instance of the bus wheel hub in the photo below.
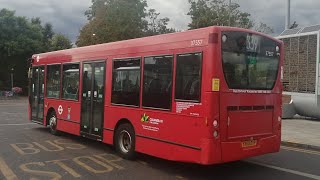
(53, 121)
(125, 141)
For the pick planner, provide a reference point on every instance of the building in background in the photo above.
(301, 76)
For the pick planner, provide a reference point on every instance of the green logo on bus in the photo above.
(144, 118)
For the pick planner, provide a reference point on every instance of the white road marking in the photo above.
(16, 104)
(300, 150)
(142, 162)
(6, 171)
(312, 176)
(21, 124)
(8, 113)
(180, 177)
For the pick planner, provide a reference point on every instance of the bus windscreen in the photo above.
(249, 61)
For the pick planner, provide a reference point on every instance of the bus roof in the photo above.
(158, 43)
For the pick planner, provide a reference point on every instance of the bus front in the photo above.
(250, 94)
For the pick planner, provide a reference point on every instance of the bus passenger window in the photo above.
(157, 82)
(188, 77)
(126, 82)
(70, 81)
(53, 81)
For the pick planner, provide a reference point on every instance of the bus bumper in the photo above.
(213, 153)
(232, 151)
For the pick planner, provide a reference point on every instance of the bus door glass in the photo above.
(92, 108)
(37, 94)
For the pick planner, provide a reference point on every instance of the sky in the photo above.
(67, 17)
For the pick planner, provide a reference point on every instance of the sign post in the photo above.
(12, 69)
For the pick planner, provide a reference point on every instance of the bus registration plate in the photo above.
(249, 143)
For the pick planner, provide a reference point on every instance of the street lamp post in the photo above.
(230, 12)
(288, 15)
(12, 79)
(94, 38)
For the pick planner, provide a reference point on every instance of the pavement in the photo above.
(302, 133)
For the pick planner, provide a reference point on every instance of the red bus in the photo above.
(204, 96)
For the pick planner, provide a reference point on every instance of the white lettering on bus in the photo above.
(197, 42)
(251, 91)
(269, 53)
(252, 43)
(180, 106)
(155, 121)
(150, 128)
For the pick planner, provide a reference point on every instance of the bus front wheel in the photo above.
(53, 123)
(125, 141)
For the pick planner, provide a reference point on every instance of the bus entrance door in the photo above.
(37, 94)
(92, 106)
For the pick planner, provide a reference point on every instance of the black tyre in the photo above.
(52, 121)
(125, 141)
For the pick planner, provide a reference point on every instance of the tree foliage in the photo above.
(19, 39)
(157, 25)
(264, 28)
(59, 42)
(206, 13)
(115, 20)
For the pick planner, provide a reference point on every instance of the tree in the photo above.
(95, 31)
(157, 26)
(115, 20)
(95, 8)
(264, 28)
(19, 39)
(206, 13)
(60, 42)
(48, 34)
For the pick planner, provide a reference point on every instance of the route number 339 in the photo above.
(198, 42)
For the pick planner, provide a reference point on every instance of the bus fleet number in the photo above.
(196, 42)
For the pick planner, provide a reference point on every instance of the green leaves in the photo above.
(206, 13)
(264, 28)
(60, 42)
(113, 20)
(157, 26)
(19, 39)
(20, 36)
(116, 20)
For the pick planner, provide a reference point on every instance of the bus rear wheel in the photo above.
(125, 141)
(53, 123)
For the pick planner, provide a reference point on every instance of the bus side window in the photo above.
(188, 77)
(53, 81)
(157, 79)
(70, 81)
(126, 82)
